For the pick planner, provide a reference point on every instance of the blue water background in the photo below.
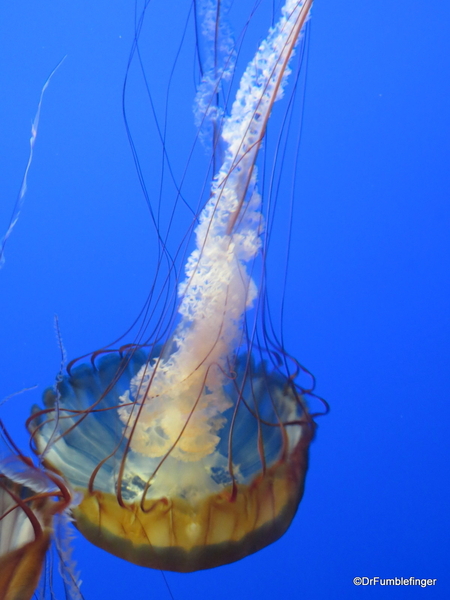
(367, 302)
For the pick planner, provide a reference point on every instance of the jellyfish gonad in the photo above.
(191, 452)
(33, 513)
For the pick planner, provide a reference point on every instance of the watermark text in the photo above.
(394, 581)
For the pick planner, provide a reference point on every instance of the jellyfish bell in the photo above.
(174, 506)
(191, 451)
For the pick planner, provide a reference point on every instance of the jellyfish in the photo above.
(33, 514)
(189, 447)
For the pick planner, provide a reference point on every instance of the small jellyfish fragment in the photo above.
(30, 502)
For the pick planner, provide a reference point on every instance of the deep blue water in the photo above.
(368, 297)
